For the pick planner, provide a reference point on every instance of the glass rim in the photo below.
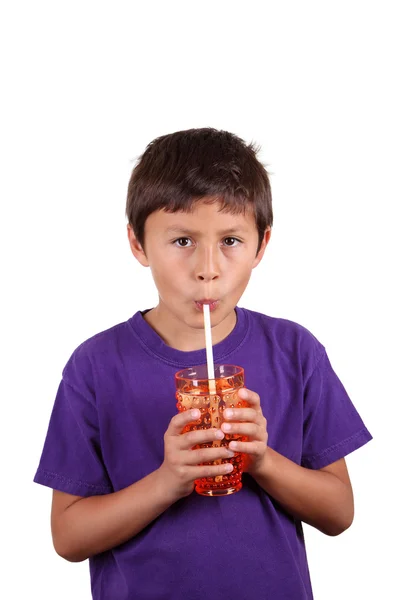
(179, 377)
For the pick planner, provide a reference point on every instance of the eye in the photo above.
(231, 242)
(182, 245)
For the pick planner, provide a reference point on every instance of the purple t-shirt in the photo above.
(113, 406)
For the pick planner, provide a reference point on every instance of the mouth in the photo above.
(210, 301)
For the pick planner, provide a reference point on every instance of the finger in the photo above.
(208, 455)
(179, 421)
(210, 470)
(200, 436)
(242, 414)
(251, 430)
(252, 398)
(251, 448)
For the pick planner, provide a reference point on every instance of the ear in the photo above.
(260, 254)
(136, 248)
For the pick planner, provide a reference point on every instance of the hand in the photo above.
(249, 422)
(181, 464)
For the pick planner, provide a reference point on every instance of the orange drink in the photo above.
(193, 391)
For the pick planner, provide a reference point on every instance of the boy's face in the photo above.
(202, 255)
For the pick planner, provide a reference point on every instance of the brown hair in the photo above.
(180, 168)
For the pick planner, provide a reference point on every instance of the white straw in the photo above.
(211, 381)
(209, 350)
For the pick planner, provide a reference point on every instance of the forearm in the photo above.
(318, 498)
(99, 523)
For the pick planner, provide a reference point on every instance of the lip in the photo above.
(210, 301)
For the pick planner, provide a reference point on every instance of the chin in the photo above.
(216, 317)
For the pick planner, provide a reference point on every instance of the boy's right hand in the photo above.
(181, 464)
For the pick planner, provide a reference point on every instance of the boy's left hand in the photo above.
(249, 422)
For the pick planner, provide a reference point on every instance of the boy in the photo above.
(200, 216)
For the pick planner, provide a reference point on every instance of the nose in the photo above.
(207, 268)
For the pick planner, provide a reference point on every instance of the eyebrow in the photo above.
(179, 230)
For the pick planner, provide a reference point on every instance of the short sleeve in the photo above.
(332, 427)
(71, 460)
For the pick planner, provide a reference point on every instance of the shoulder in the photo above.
(289, 338)
(282, 330)
(97, 350)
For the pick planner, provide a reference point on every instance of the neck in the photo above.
(186, 339)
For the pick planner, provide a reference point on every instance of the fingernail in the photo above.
(233, 445)
(228, 467)
(228, 413)
(219, 434)
(243, 393)
(195, 413)
(230, 453)
(226, 426)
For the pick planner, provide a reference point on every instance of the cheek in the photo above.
(165, 274)
(242, 276)
(240, 265)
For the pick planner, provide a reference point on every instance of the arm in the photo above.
(82, 527)
(322, 498)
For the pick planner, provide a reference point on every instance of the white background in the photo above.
(85, 87)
